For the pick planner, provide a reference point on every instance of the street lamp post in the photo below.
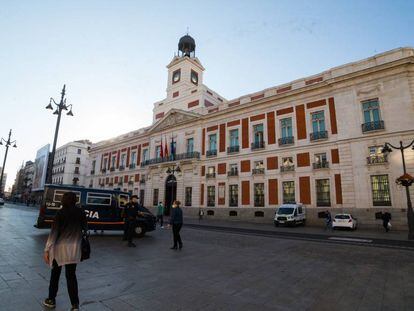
(7, 144)
(405, 180)
(59, 108)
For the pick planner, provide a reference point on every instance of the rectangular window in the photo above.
(211, 170)
(123, 159)
(320, 158)
(77, 161)
(233, 195)
(318, 121)
(105, 164)
(113, 161)
(190, 145)
(188, 196)
(158, 152)
(93, 165)
(287, 161)
(375, 155)
(212, 142)
(375, 151)
(76, 170)
(155, 197)
(258, 135)
(98, 199)
(380, 190)
(145, 155)
(259, 195)
(288, 192)
(258, 164)
(371, 110)
(234, 138)
(286, 127)
(79, 151)
(58, 194)
(323, 193)
(133, 158)
(211, 196)
(233, 167)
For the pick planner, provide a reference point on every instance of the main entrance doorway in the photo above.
(170, 193)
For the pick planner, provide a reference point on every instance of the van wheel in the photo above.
(276, 224)
(139, 231)
(304, 222)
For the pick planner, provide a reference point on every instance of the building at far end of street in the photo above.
(315, 140)
(71, 163)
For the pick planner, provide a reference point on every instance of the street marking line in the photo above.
(350, 240)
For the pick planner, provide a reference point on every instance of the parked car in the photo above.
(344, 221)
(290, 214)
(1, 201)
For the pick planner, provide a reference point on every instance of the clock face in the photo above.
(176, 76)
(194, 77)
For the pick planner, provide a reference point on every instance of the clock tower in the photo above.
(185, 70)
(185, 88)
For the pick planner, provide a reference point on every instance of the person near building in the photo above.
(131, 212)
(386, 217)
(160, 214)
(176, 221)
(328, 220)
(63, 248)
(200, 214)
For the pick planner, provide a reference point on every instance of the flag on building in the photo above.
(162, 150)
(166, 148)
(172, 148)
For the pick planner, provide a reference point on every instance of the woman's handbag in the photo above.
(85, 246)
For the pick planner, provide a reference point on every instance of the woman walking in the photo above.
(176, 221)
(63, 248)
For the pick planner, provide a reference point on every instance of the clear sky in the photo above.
(112, 55)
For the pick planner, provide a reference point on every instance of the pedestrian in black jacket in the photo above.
(176, 221)
(131, 212)
(386, 217)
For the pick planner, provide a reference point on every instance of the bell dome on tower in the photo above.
(186, 46)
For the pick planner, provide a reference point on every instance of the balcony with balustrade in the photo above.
(286, 141)
(257, 145)
(373, 126)
(172, 158)
(319, 135)
(320, 165)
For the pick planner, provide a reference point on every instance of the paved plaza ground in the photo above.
(216, 270)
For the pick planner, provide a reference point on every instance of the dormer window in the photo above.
(176, 76)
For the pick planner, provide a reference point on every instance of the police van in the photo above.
(103, 208)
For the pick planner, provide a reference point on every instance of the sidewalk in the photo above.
(359, 233)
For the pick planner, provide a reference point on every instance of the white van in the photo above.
(290, 214)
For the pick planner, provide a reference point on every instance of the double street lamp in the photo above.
(59, 108)
(405, 180)
(7, 143)
(173, 170)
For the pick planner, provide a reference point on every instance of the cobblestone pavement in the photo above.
(215, 271)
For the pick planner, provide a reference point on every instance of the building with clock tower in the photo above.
(315, 140)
